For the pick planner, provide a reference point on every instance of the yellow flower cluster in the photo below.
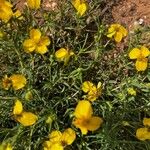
(144, 133)
(84, 118)
(6, 8)
(117, 32)
(58, 140)
(18, 81)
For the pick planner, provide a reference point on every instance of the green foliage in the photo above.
(56, 88)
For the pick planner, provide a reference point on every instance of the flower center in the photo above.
(63, 143)
(141, 58)
(85, 122)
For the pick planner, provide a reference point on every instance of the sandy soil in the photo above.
(131, 12)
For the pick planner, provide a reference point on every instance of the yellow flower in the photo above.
(18, 81)
(131, 91)
(8, 147)
(63, 55)
(92, 91)
(117, 31)
(5, 146)
(36, 42)
(34, 4)
(146, 122)
(84, 119)
(25, 118)
(87, 86)
(58, 140)
(5, 10)
(81, 6)
(6, 82)
(140, 56)
(144, 133)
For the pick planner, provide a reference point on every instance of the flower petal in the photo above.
(111, 31)
(18, 108)
(143, 134)
(134, 53)
(82, 9)
(145, 51)
(68, 136)
(61, 54)
(84, 130)
(93, 94)
(56, 146)
(45, 40)
(116, 26)
(6, 146)
(141, 64)
(29, 45)
(47, 145)
(76, 3)
(18, 81)
(87, 86)
(42, 49)
(35, 35)
(27, 118)
(5, 13)
(146, 122)
(34, 4)
(8, 4)
(83, 110)
(123, 31)
(110, 35)
(94, 123)
(55, 136)
(118, 36)
(81, 124)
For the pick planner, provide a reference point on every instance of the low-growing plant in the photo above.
(65, 84)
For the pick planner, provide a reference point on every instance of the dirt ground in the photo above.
(127, 12)
(132, 12)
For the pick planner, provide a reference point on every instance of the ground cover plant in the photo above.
(66, 83)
